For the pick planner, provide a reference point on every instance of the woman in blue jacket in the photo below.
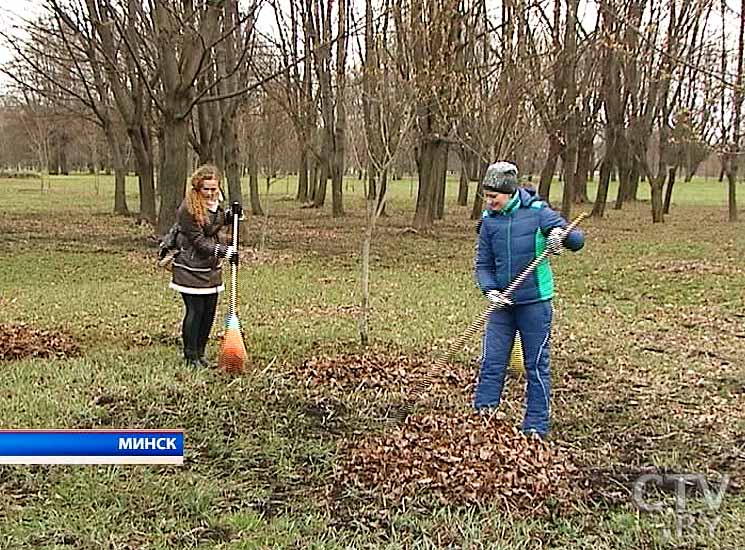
(516, 228)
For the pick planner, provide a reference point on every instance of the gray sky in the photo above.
(11, 13)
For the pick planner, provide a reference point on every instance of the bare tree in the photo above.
(126, 79)
(547, 86)
(295, 94)
(653, 99)
(248, 136)
(732, 164)
(35, 116)
(59, 59)
(430, 35)
(569, 70)
(613, 100)
(492, 99)
(330, 70)
(387, 119)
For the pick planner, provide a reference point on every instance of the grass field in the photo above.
(648, 364)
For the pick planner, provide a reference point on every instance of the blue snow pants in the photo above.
(534, 323)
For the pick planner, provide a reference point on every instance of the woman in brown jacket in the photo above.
(197, 269)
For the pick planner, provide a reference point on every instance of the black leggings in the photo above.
(195, 330)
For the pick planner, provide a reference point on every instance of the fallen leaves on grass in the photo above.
(460, 458)
(385, 371)
(19, 340)
(324, 311)
(694, 267)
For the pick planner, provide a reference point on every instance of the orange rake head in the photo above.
(232, 356)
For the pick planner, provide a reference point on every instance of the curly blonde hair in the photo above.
(195, 203)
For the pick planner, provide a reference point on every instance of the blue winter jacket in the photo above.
(511, 238)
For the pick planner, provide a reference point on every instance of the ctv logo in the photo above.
(147, 443)
(687, 513)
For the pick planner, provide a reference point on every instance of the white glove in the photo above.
(498, 299)
(230, 251)
(555, 240)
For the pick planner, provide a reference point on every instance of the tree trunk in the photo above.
(567, 198)
(302, 177)
(569, 159)
(441, 175)
(340, 129)
(319, 197)
(120, 191)
(671, 173)
(478, 199)
(337, 205)
(372, 186)
(657, 203)
(313, 180)
(633, 187)
(430, 153)
(601, 198)
(230, 154)
(120, 171)
(141, 147)
(584, 160)
(207, 121)
(173, 171)
(549, 168)
(253, 183)
(734, 161)
(364, 328)
(383, 191)
(624, 181)
(63, 168)
(463, 184)
(732, 195)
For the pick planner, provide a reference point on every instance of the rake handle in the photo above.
(232, 307)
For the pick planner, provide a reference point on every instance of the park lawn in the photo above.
(647, 363)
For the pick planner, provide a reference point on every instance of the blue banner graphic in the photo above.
(111, 446)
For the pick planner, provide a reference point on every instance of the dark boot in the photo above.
(203, 361)
(191, 358)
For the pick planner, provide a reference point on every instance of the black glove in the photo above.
(235, 259)
(229, 216)
(236, 209)
(162, 251)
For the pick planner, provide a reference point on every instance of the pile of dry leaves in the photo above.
(20, 340)
(460, 458)
(381, 371)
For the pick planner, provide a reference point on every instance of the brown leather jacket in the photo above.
(196, 265)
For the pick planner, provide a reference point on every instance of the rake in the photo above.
(232, 354)
(419, 388)
(517, 362)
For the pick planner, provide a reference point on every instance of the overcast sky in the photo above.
(11, 12)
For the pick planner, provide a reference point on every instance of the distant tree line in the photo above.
(641, 91)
